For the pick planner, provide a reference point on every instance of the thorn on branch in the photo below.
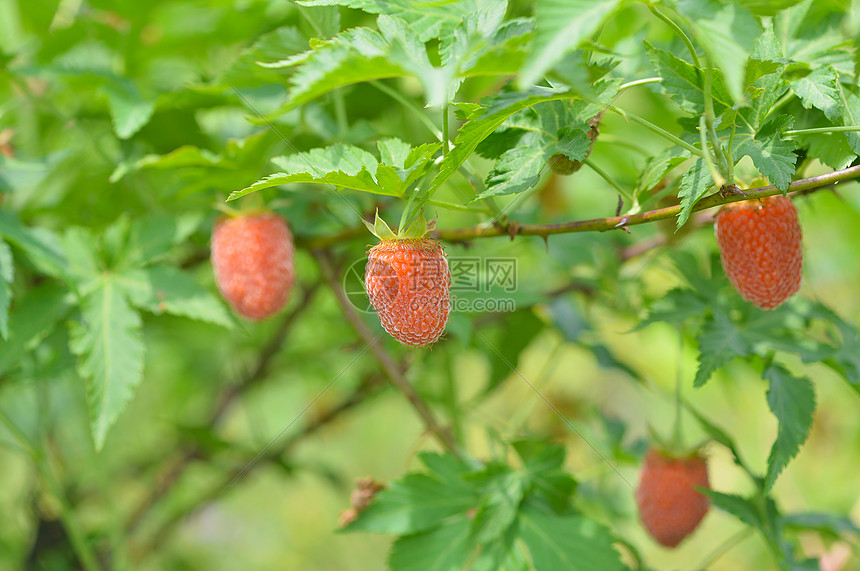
(731, 190)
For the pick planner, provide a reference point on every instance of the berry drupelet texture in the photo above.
(409, 284)
(760, 249)
(252, 256)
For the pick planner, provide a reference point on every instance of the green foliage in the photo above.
(131, 397)
(501, 515)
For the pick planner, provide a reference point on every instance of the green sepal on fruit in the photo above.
(408, 281)
(415, 231)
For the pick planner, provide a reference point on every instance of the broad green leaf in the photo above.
(719, 343)
(766, 7)
(845, 359)
(185, 156)
(764, 84)
(677, 306)
(152, 237)
(337, 166)
(277, 45)
(415, 503)
(544, 473)
(832, 149)
(740, 507)
(566, 542)
(792, 401)
(683, 82)
(445, 548)
(501, 496)
(81, 248)
(353, 56)
(40, 246)
(426, 19)
(560, 26)
(129, 111)
(520, 168)
(809, 33)
(166, 289)
(393, 151)
(819, 90)
(657, 167)
(481, 126)
(7, 273)
(35, 314)
(503, 554)
(483, 45)
(772, 155)
(727, 33)
(694, 184)
(109, 344)
(411, 54)
(719, 435)
(850, 110)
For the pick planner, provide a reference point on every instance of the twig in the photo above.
(177, 467)
(803, 186)
(614, 222)
(370, 386)
(385, 361)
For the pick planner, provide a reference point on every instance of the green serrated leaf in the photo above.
(501, 494)
(7, 273)
(677, 306)
(727, 33)
(719, 343)
(339, 165)
(694, 184)
(740, 507)
(683, 82)
(427, 20)
(772, 155)
(832, 149)
(719, 435)
(481, 126)
(560, 26)
(792, 401)
(129, 111)
(81, 248)
(415, 503)
(109, 345)
(818, 90)
(167, 289)
(543, 472)
(40, 246)
(566, 542)
(445, 548)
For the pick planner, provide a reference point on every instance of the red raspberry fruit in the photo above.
(669, 505)
(409, 283)
(760, 248)
(252, 256)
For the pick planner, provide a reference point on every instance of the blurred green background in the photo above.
(90, 89)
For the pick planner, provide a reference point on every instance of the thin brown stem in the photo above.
(370, 386)
(616, 222)
(512, 229)
(394, 374)
(177, 467)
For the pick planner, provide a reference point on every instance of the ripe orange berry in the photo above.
(409, 283)
(252, 256)
(760, 249)
(669, 505)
